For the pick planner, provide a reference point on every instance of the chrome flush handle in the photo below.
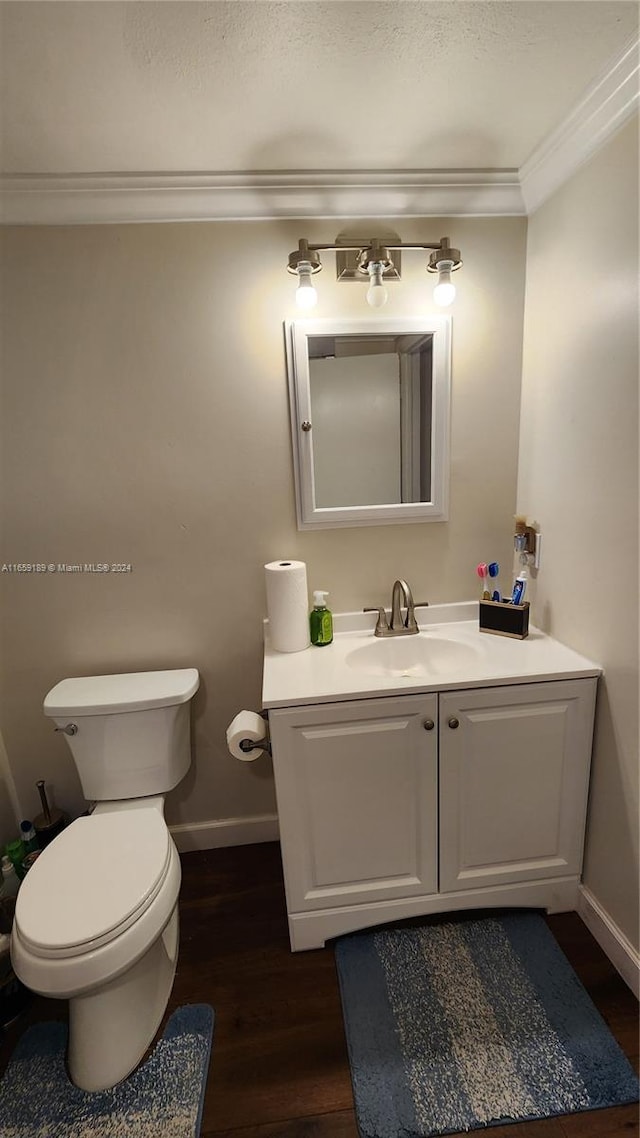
(70, 729)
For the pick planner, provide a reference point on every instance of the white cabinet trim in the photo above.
(311, 930)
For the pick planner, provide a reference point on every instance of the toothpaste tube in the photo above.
(519, 586)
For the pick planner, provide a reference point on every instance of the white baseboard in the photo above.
(220, 832)
(611, 939)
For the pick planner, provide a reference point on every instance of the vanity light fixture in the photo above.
(375, 262)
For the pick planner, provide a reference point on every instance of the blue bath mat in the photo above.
(462, 1025)
(163, 1097)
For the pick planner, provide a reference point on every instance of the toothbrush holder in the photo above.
(504, 619)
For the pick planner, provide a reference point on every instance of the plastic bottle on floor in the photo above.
(10, 881)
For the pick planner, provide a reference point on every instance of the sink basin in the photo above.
(421, 655)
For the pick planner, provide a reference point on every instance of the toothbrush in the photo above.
(483, 571)
(494, 569)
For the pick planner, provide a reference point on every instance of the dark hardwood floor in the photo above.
(279, 1067)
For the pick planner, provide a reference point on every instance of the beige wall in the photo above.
(578, 476)
(10, 814)
(146, 421)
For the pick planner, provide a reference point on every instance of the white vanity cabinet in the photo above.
(408, 805)
(514, 777)
(357, 787)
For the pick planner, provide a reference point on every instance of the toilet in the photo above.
(96, 918)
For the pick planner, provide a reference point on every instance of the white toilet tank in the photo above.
(129, 734)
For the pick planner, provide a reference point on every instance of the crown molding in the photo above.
(607, 104)
(98, 199)
(102, 199)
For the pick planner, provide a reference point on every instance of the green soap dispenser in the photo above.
(320, 620)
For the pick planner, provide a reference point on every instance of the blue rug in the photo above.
(163, 1097)
(461, 1025)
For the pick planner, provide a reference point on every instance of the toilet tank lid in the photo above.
(131, 691)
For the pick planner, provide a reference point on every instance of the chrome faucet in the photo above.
(401, 597)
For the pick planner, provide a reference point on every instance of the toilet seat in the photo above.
(91, 967)
(93, 882)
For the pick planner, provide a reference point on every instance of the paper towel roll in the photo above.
(246, 725)
(287, 605)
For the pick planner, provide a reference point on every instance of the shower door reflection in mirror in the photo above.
(370, 420)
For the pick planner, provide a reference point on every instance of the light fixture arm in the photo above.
(307, 247)
(305, 254)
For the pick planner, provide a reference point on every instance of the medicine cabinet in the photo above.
(370, 408)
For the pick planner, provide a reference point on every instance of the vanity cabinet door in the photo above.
(356, 784)
(514, 775)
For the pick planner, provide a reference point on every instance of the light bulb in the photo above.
(306, 295)
(445, 290)
(376, 293)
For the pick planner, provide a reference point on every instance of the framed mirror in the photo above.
(369, 404)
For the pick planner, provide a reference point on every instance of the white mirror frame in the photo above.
(310, 516)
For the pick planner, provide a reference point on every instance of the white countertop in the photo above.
(479, 659)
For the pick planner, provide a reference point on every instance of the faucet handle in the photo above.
(382, 627)
(412, 623)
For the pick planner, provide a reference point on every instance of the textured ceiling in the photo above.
(303, 85)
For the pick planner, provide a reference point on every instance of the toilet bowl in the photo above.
(97, 923)
(96, 918)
